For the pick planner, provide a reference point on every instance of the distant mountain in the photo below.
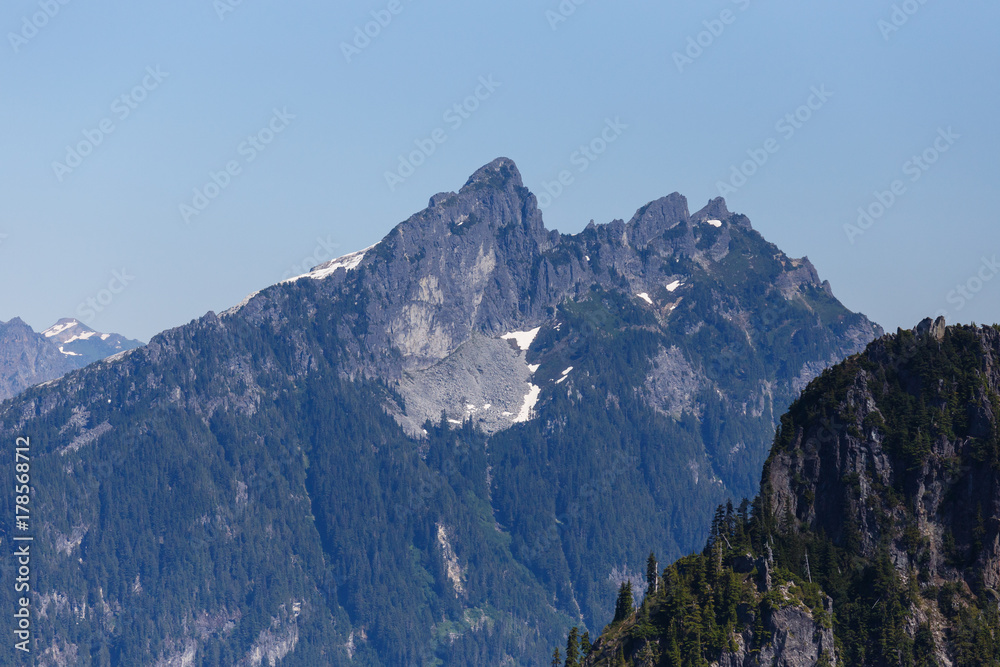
(444, 449)
(75, 339)
(28, 358)
(875, 539)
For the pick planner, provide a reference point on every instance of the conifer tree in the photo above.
(573, 649)
(623, 607)
(651, 575)
(585, 644)
(556, 659)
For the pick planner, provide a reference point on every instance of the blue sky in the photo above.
(163, 97)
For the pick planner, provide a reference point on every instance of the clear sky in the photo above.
(113, 114)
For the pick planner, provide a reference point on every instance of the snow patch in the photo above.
(347, 262)
(714, 223)
(57, 329)
(674, 285)
(86, 335)
(235, 309)
(522, 338)
(69, 354)
(530, 400)
(645, 297)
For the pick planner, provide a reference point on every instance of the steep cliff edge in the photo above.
(875, 539)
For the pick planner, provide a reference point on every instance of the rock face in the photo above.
(557, 402)
(901, 463)
(881, 499)
(479, 263)
(798, 641)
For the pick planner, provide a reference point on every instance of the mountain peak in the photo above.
(656, 217)
(499, 173)
(716, 209)
(63, 326)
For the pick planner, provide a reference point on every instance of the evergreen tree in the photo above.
(573, 649)
(623, 607)
(585, 644)
(651, 575)
(556, 659)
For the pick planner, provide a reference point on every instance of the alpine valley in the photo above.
(448, 448)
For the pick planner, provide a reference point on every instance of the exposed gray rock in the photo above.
(485, 380)
(672, 383)
(26, 358)
(799, 640)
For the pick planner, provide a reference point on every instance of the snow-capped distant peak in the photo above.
(59, 327)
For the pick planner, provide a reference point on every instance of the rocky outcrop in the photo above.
(893, 455)
(799, 640)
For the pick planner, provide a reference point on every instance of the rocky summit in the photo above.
(447, 448)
